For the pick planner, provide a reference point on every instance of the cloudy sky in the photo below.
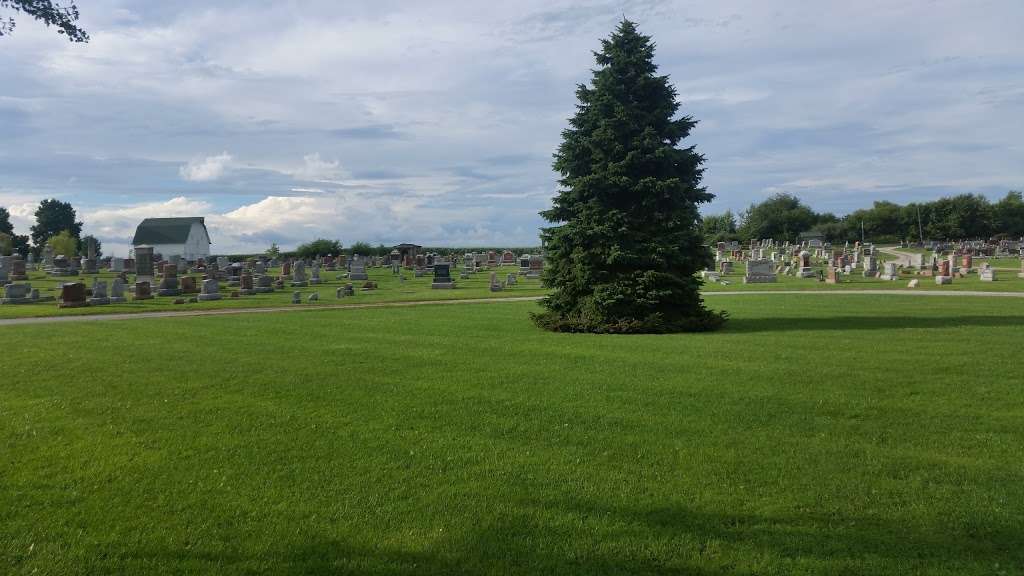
(434, 122)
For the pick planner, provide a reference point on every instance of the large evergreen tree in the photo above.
(626, 244)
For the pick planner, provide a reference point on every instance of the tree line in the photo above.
(785, 217)
(56, 226)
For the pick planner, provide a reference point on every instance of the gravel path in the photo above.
(302, 308)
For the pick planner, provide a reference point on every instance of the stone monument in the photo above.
(442, 277)
(210, 290)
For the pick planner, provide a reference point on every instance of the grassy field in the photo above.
(391, 289)
(476, 286)
(842, 434)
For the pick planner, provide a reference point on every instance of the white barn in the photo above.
(185, 237)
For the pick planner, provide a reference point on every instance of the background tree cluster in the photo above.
(53, 218)
(785, 217)
(319, 247)
(10, 242)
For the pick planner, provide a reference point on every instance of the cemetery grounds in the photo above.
(847, 434)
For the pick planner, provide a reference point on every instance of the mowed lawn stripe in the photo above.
(851, 434)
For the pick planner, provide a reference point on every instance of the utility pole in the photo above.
(920, 229)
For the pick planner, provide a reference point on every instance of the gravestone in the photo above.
(296, 297)
(725, 267)
(508, 258)
(18, 273)
(315, 279)
(314, 297)
(117, 291)
(358, 270)
(987, 273)
(17, 291)
(536, 266)
(143, 291)
(99, 293)
(966, 264)
(117, 264)
(143, 263)
(442, 277)
(759, 272)
(495, 285)
(72, 295)
(524, 263)
(913, 283)
(210, 290)
(805, 265)
(169, 284)
(22, 294)
(61, 267)
(245, 285)
(891, 271)
(234, 275)
(833, 275)
(299, 275)
(264, 284)
(188, 285)
(945, 273)
(349, 290)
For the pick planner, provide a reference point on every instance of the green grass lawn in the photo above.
(847, 434)
(390, 290)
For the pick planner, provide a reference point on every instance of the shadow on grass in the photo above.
(825, 539)
(639, 540)
(601, 538)
(848, 323)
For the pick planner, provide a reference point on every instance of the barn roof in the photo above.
(166, 230)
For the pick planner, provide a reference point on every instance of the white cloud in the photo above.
(315, 168)
(115, 225)
(206, 169)
(837, 104)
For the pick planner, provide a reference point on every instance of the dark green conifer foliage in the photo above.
(626, 241)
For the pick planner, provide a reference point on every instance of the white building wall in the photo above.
(168, 250)
(197, 246)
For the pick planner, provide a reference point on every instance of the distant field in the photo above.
(841, 434)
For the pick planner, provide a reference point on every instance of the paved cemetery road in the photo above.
(300, 308)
